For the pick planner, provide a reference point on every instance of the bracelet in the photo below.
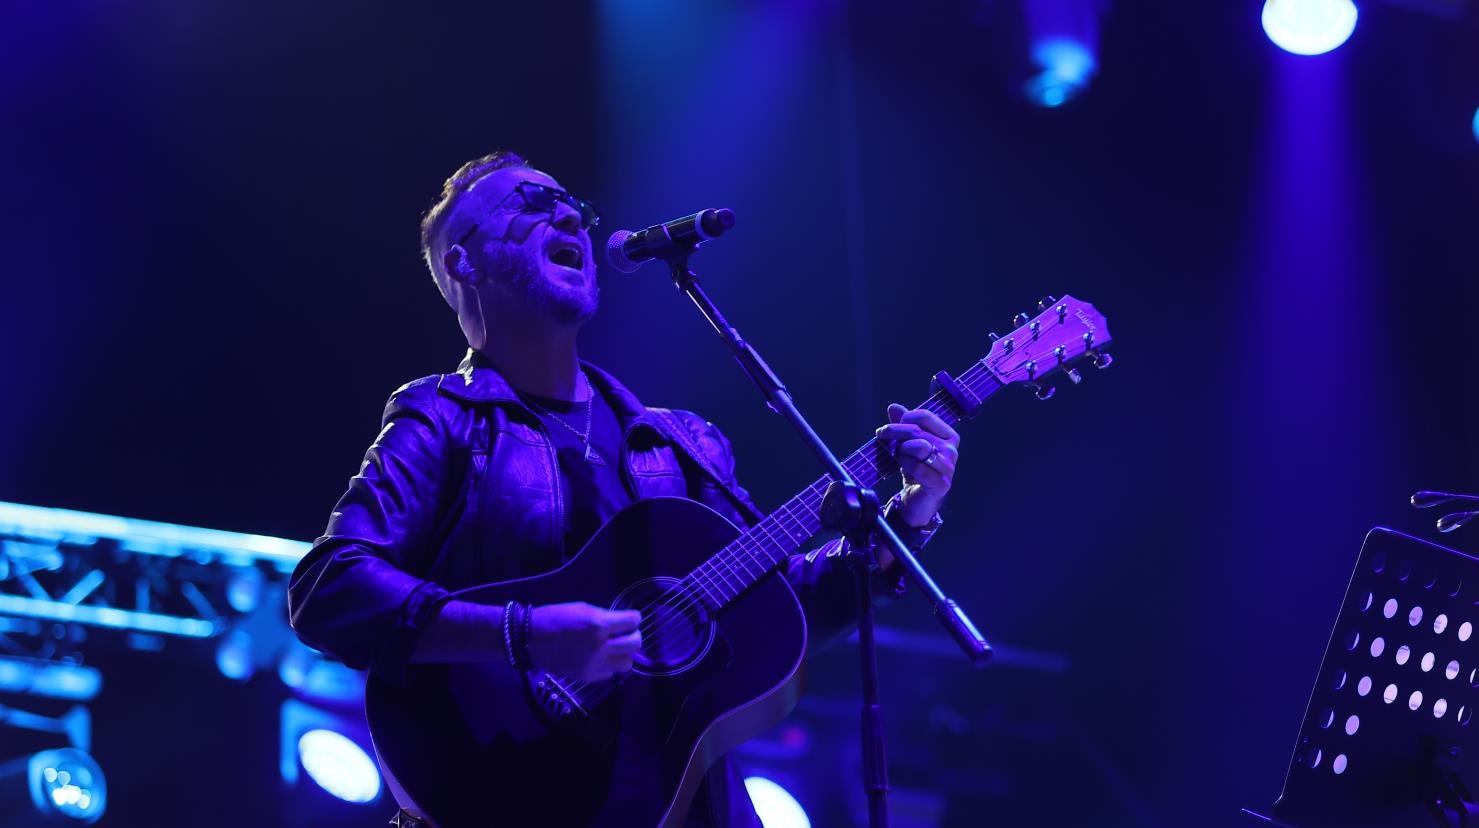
(516, 620)
(527, 620)
(508, 636)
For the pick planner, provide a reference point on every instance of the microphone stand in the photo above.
(853, 510)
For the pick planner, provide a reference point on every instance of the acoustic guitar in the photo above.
(723, 640)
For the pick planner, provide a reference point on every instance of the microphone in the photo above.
(626, 251)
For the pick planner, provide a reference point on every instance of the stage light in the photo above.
(1309, 27)
(244, 589)
(1067, 67)
(234, 656)
(62, 785)
(56, 680)
(331, 745)
(339, 766)
(775, 805)
(1476, 125)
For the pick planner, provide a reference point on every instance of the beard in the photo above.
(524, 276)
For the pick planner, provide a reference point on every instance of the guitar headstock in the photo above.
(1064, 332)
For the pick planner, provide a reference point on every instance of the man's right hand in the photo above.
(583, 642)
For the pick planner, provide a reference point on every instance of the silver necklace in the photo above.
(585, 436)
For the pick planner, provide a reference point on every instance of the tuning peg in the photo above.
(1020, 319)
(1101, 361)
(1007, 344)
(1074, 375)
(1031, 366)
(993, 336)
(1089, 339)
(1036, 328)
(1060, 352)
(1062, 312)
(1042, 304)
(1042, 392)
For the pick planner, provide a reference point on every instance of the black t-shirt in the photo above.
(593, 491)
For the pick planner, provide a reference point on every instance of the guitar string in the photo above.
(731, 558)
(714, 583)
(809, 500)
(771, 528)
(652, 639)
(705, 582)
(681, 608)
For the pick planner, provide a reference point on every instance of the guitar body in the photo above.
(483, 745)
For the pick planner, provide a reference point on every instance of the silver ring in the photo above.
(934, 452)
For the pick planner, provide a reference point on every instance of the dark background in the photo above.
(212, 283)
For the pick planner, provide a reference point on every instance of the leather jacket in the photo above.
(461, 488)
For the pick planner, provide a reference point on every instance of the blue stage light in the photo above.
(1476, 125)
(339, 766)
(1309, 27)
(62, 786)
(234, 656)
(1067, 67)
(775, 805)
(54, 680)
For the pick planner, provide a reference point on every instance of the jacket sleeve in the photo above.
(354, 595)
(822, 578)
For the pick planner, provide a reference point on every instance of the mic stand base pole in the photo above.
(854, 510)
(875, 761)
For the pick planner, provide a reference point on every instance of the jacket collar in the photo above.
(476, 380)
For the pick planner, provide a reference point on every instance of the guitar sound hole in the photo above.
(676, 630)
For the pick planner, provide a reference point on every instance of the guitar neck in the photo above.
(767, 545)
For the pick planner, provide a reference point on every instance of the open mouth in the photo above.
(568, 256)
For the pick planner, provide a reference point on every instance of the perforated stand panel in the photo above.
(1397, 689)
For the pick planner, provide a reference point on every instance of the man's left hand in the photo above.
(927, 450)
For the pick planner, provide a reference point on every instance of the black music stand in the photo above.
(1388, 740)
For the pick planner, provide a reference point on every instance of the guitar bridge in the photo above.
(556, 698)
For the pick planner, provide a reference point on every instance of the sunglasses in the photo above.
(542, 199)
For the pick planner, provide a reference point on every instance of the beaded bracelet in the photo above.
(523, 649)
(508, 634)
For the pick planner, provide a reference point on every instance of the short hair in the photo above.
(466, 175)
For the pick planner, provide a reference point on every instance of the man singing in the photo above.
(505, 468)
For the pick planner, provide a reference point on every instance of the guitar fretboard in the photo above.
(765, 546)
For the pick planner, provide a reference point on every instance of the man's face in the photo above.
(539, 259)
